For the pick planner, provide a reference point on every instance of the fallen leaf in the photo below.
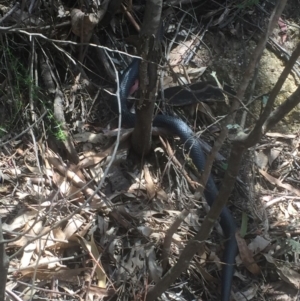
(285, 272)
(91, 247)
(261, 159)
(247, 255)
(20, 221)
(90, 137)
(83, 24)
(27, 254)
(249, 294)
(258, 244)
(273, 154)
(73, 225)
(150, 186)
(291, 210)
(155, 270)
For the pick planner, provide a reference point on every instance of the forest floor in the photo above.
(83, 222)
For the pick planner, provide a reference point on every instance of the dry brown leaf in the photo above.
(150, 186)
(161, 194)
(37, 228)
(20, 221)
(92, 248)
(61, 182)
(59, 234)
(83, 24)
(97, 202)
(205, 109)
(288, 275)
(196, 72)
(177, 53)
(247, 255)
(90, 137)
(277, 182)
(247, 295)
(284, 211)
(95, 159)
(273, 155)
(73, 225)
(155, 271)
(27, 254)
(258, 244)
(291, 210)
(261, 159)
(33, 169)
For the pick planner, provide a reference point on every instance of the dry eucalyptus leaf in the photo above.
(161, 194)
(285, 272)
(247, 255)
(258, 244)
(150, 186)
(146, 231)
(273, 155)
(20, 221)
(261, 159)
(83, 24)
(196, 72)
(58, 234)
(27, 254)
(73, 225)
(90, 137)
(93, 250)
(291, 210)
(154, 270)
(249, 294)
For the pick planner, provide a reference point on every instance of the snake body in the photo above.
(177, 127)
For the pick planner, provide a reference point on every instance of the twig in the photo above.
(4, 264)
(31, 72)
(130, 18)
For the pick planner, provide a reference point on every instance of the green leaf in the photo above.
(244, 224)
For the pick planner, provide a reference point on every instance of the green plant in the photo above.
(22, 89)
(60, 133)
(55, 127)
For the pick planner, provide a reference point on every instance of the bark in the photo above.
(141, 137)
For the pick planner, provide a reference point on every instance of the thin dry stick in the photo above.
(4, 264)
